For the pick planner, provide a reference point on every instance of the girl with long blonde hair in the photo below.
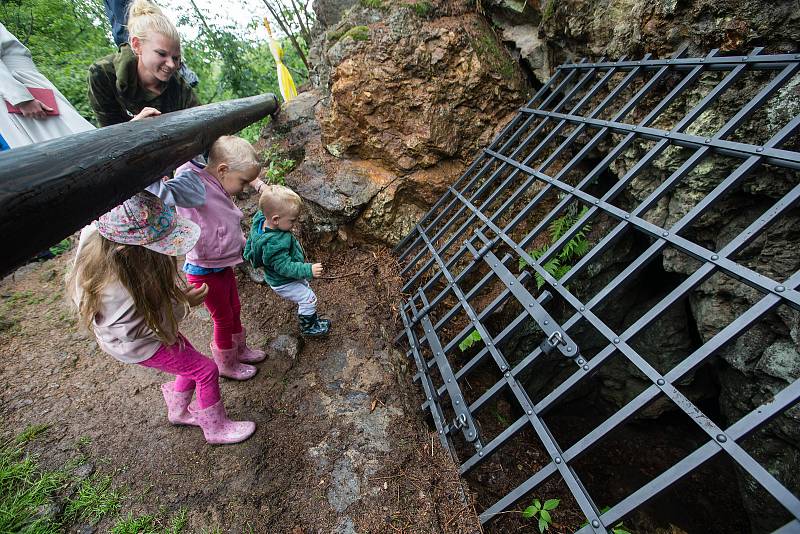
(126, 289)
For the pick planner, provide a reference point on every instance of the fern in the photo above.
(575, 248)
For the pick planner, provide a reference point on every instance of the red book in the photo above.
(45, 96)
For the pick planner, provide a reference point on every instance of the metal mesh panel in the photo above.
(488, 250)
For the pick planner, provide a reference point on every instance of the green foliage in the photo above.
(541, 512)
(276, 165)
(229, 64)
(60, 247)
(253, 132)
(64, 37)
(374, 4)
(577, 247)
(470, 340)
(422, 8)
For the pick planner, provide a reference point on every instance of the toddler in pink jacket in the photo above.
(232, 164)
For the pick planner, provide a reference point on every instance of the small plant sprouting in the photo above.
(541, 512)
(470, 340)
(560, 264)
(276, 165)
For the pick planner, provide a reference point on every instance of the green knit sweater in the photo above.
(278, 252)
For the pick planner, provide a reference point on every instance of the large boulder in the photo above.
(406, 96)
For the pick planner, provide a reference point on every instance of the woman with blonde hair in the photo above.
(141, 79)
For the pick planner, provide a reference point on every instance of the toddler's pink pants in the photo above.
(223, 304)
(190, 368)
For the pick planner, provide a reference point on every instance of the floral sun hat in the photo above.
(146, 221)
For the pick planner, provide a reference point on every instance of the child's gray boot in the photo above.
(313, 326)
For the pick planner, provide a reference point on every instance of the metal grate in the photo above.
(470, 260)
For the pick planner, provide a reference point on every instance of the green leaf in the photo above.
(551, 504)
(544, 514)
(543, 525)
(529, 512)
(616, 530)
(537, 504)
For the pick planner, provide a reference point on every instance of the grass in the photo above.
(32, 498)
(94, 500)
(374, 4)
(150, 524)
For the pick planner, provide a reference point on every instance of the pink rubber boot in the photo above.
(217, 428)
(177, 404)
(246, 354)
(228, 363)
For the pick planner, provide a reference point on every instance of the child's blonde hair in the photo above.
(145, 18)
(275, 197)
(151, 279)
(235, 151)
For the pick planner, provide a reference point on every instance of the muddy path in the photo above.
(340, 445)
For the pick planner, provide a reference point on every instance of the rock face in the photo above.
(406, 96)
(549, 32)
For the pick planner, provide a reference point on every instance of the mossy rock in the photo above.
(489, 51)
(358, 33)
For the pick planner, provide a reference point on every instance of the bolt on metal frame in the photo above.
(464, 246)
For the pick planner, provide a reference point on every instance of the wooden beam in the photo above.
(50, 190)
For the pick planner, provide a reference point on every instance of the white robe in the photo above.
(17, 72)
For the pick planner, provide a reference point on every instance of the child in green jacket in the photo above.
(272, 245)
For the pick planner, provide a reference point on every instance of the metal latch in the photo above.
(552, 342)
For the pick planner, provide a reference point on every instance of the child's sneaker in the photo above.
(313, 326)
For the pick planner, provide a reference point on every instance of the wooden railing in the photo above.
(50, 190)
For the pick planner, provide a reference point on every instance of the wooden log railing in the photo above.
(50, 190)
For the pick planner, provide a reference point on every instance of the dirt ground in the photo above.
(340, 445)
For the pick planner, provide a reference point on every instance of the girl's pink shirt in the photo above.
(221, 238)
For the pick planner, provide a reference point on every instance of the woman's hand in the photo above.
(196, 295)
(146, 112)
(34, 109)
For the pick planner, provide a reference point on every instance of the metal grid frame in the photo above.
(439, 243)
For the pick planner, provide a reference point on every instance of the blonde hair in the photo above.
(145, 18)
(274, 198)
(235, 151)
(150, 278)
